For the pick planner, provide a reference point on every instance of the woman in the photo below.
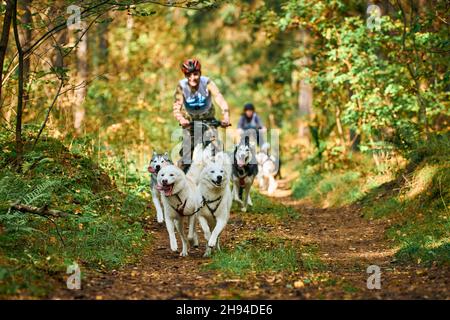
(193, 102)
(250, 124)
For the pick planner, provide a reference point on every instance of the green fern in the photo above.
(38, 192)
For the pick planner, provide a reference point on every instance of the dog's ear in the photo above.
(154, 153)
(166, 155)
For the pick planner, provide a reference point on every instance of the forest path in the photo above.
(341, 245)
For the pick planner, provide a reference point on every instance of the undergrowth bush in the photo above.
(105, 228)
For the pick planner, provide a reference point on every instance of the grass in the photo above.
(265, 206)
(310, 261)
(341, 186)
(261, 253)
(419, 209)
(415, 198)
(106, 229)
(244, 260)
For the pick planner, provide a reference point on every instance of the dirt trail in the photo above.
(346, 245)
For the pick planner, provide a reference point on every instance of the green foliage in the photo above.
(420, 210)
(105, 229)
(381, 83)
(340, 186)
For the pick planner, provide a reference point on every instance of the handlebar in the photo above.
(213, 123)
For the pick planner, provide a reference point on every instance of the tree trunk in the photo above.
(128, 35)
(340, 130)
(4, 41)
(82, 70)
(305, 96)
(61, 40)
(101, 54)
(26, 41)
(19, 142)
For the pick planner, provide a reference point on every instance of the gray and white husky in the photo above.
(157, 162)
(245, 169)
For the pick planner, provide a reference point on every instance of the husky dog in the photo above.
(267, 169)
(181, 200)
(214, 187)
(156, 163)
(245, 169)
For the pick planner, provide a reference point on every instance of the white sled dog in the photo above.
(181, 201)
(267, 169)
(157, 162)
(245, 169)
(214, 187)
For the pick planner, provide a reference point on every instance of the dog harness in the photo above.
(207, 202)
(242, 174)
(267, 159)
(181, 206)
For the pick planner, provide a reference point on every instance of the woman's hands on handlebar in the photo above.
(215, 123)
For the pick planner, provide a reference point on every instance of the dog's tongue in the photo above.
(151, 169)
(241, 163)
(167, 189)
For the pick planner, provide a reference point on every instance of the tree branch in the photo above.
(84, 14)
(43, 211)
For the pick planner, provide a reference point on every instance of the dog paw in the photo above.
(211, 244)
(183, 254)
(244, 209)
(207, 253)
